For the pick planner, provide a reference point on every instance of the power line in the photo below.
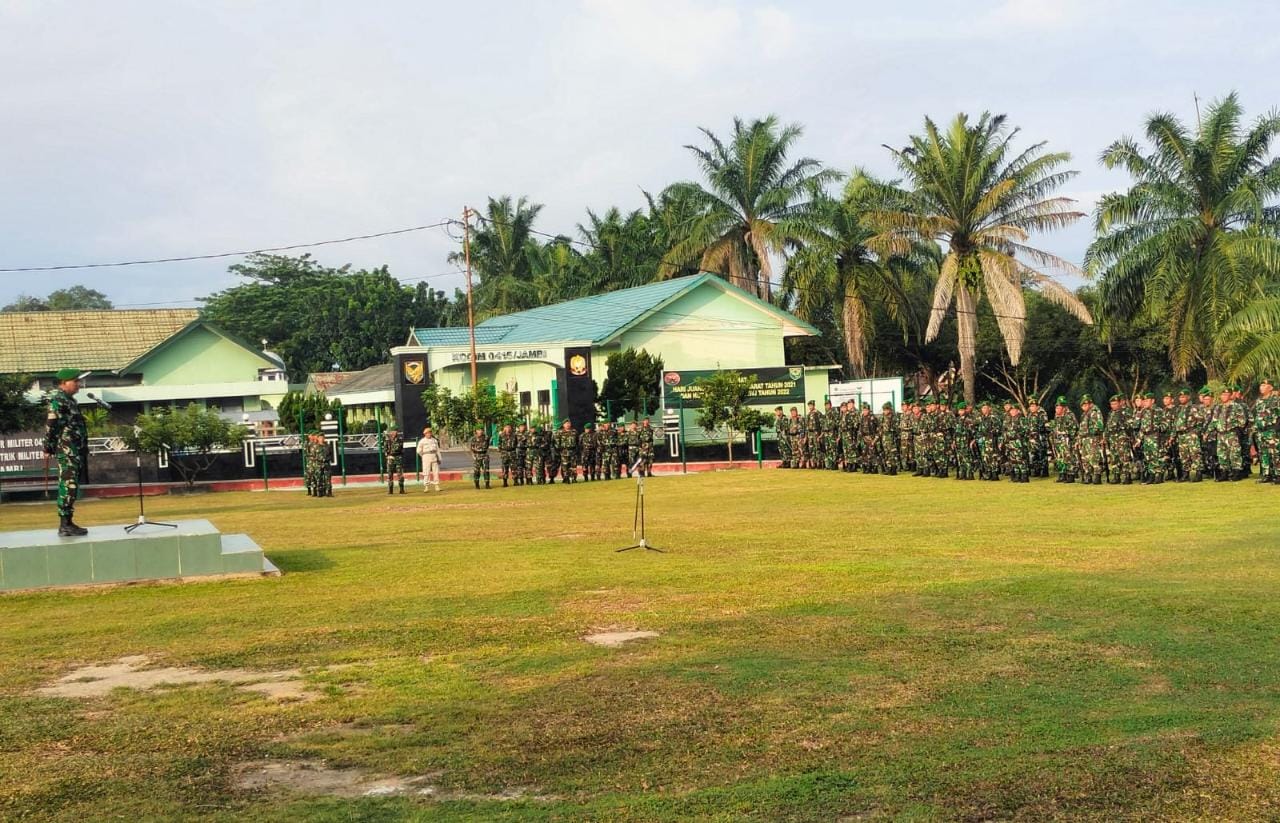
(218, 255)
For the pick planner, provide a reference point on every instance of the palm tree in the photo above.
(502, 252)
(754, 204)
(1194, 238)
(971, 193)
(837, 273)
(1251, 338)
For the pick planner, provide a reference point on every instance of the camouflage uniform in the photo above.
(393, 457)
(963, 439)
(610, 458)
(782, 438)
(868, 440)
(539, 446)
(318, 465)
(907, 439)
(831, 437)
(630, 447)
(1090, 442)
(1013, 436)
(889, 457)
(796, 434)
(588, 446)
(987, 429)
(646, 435)
(1266, 433)
(507, 452)
(523, 436)
(479, 446)
(1208, 437)
(1037, 423)
(1062, 435)
(1188, 421)
(1120, 465)
(1151, 434)
(565, 441)
(1228, 421)
(813, 438)
(849, 436)
(924, 442)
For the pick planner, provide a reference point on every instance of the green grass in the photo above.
(831, 646)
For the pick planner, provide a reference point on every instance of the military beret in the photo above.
(1146, 395)
(1033, 402)
(1115, 398)
(886, 405)
(962, 405)
(1062, 400)
(866, 405)
(68, 374)
(1184, 390)
(1235, 387)
(1266, 381)
(1085, 398)
(1167, 393)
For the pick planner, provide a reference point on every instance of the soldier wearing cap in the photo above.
(813, 436)
(1188, 421)
(1151, 431)
(1208, 437)
(1013, 436)
(888, 431)
(393, 456)
(66, 437)
(1062, 432)
(1037, 426)
(784, 442)
(588, 445)
(1266, 430)
(964, 442)
(1228, 422)
(1120, 466)
(1090, 441)
(479, 446)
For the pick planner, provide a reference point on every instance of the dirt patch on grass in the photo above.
(132, 673)
(615, 639)
(314, 777)
(428, 506)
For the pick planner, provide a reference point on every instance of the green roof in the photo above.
(597, 318)
(41, 342)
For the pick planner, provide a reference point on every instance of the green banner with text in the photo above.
(775, 384)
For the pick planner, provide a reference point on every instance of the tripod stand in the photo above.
(638, 521)
(142, 515)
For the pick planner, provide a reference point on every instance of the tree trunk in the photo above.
(730, 442)
(966, 339)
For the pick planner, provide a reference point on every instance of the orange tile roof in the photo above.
(41, 342)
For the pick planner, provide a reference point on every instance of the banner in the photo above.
(21, 453)
(775, 385)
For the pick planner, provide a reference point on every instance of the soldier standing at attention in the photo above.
(479, 446)
(522, 455)
(587, 445)
(507, 452)
(1187, 423)
(1014, 437)
(1151, 432)
(889, 457)
(906, 438)
(1090, 442)
(631, 446)
(1208, 437)
(868, 440)
(848, 434)
(1119, 447)
(429, 459)
(646, 435)
(987, 431)
(609, 443)
(784, 442)
(795, 432)
(1245, 458)
(1037, 423)
(66, 437)
(1063, 431)
(1266, 430)
(965, 440)
(307, 447)
(566, 441)
(831, 436)
(1228, 422)
(393, 455)
(813, 436)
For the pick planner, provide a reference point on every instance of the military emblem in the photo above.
(671, 378)
(415, 371)
(577, 365)
(796, 374)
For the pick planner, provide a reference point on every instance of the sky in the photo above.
(137, 130)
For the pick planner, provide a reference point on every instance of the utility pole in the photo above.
(471, 316)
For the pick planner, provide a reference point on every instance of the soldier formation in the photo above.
(537, 456)
(1179, 439)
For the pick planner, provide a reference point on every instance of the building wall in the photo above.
(709, 329)
(202, 356)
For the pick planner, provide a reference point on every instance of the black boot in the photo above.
(504, 482)
(1062, 478)
(475, 479)
(402, 485)
(486, 481)
(391, 487)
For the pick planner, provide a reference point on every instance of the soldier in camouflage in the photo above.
(1037, 423)
(479, 447)
(1013, 438)
(66, 437)
(521, 467)
(646, 435)
(1188, 421)
(1062, 435)
(907, 437)
(780, 434)
(393, 456)
(630, 447)
(1091, 442)
(610, 457)
(964, 439)
(987, 430)
(889, 439)
(566, 443)
(830, 436)
(1120, 467)
(1228, 422)
(507, 453)
(588, 445)
(1151, 435)
(1266, 430)
(813, 437)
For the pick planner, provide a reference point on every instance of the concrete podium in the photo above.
(107, 554)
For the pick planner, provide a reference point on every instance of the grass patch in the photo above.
(830, 646)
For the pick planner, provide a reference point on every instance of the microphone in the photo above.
(95, 398)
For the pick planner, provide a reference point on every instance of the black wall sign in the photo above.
(579, 388)
(412, 376)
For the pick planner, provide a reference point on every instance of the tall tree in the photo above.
(17, 413)
(502, 256)
(1195, 237)
(981, 200)
(74, 298)
(754, 203)
(836, 274)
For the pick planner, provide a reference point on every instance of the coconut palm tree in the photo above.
(980, 200)
(502, 252)
(753, 205)
(837, 273)
(1194, 237)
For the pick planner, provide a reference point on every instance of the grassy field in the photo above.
(831, 646)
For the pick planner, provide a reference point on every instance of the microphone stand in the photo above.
(638, 520)
(142, 514)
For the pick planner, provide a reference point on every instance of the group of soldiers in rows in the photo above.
(1179, 438)
(537, 455)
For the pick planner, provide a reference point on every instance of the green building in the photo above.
(143, 358)
(552, 358)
